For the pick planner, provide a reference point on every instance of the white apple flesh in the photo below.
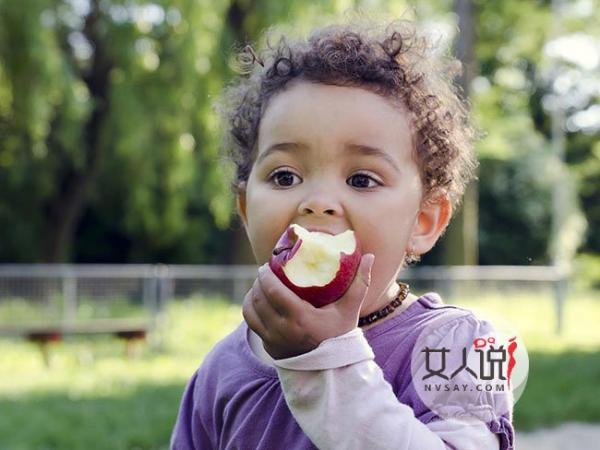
(318, 267)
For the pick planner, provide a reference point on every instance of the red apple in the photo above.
(317, 266)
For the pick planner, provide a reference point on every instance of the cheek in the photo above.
(267, 209)
(393, 214)
(387, 233)
(266, 222)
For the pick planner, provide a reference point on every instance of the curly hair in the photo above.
(395, 62)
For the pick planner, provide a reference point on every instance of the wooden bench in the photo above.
(129, 330)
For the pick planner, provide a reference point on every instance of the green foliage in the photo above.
(584, 156)
(519, 169)
(519, 194)
(157, 175)
(113, 100)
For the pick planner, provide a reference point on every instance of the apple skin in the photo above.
(285, 249)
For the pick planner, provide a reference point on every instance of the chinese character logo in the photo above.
(469, 368)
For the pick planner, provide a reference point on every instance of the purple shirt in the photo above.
(235, 401)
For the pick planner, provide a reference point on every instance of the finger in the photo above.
(283, 299)
(251, 316)
(269, 315)
(354, 297)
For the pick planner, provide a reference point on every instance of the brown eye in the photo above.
(283, 178)
(362, 181)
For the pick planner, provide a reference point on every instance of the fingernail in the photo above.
(372, 259)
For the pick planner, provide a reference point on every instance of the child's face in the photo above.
(315, 136)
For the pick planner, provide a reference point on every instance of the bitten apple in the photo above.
(318, 267)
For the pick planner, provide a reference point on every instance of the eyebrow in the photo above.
(293, 147)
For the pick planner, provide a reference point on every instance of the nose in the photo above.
(317, 211)
(320, 202)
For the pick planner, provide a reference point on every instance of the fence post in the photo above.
(560, 293)
(165, 288)
(69, 291)
(147, 290)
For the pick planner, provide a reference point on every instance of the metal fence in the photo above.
(62, 290)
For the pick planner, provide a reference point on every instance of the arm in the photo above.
(339, 397)
(292, 330)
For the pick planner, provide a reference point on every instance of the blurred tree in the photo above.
(104, 112)
(108, 103)
(108, 144)
(570, 95)
(515, 203)
(511, 98)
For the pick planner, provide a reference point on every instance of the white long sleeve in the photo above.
(340, 399)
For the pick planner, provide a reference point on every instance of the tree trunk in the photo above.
(236, 23)
(240, 249)
(66, 208)
(461, 242)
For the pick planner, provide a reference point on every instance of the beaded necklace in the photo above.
(383, 312)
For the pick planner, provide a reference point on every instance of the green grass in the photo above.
(534, 318)
(19, 310)
(92, 397)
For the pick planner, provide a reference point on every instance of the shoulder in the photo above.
(432, 301)
(438, 340)
(428, 321)
(440, 319)
(459, 366)
(451, 326)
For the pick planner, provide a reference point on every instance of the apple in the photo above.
(318, 267)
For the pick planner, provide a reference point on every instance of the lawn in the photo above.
(92, 397)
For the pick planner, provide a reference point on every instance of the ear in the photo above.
(432, 220)
(241, 203)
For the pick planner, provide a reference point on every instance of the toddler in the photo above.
(304, 121)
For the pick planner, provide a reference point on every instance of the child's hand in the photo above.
(290, 326)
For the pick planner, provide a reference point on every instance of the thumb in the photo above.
(356, 293)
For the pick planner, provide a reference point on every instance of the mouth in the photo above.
(316, 264)
(293, 239)
(319, 230)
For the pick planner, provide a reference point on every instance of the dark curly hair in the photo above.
(395, 62)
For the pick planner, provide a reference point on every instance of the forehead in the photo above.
(320, 115)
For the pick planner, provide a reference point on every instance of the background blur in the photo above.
(108, 154)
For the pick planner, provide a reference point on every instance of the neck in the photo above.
(384, 300)
(388, 295)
